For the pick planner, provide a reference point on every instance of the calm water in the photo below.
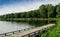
(6, 26)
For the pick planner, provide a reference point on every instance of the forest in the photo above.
(44, 11)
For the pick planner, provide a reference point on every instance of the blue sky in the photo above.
(13, 6)
(3, 2)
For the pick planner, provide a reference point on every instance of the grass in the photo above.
(54, 32)
(36, 18)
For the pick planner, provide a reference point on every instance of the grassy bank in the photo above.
(27, 19)
(54, 32)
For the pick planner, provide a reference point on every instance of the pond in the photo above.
(6, 26)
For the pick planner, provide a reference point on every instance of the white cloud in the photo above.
(17, 7)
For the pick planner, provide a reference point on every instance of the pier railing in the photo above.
(14, 32)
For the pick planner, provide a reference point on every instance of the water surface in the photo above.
(6, 26)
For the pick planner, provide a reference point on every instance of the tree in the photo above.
(55, 13)
(36, 14)
(43, 11)
(58, 11)
(50, 10)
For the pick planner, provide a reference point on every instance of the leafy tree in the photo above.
(43, 11)
(50, 10)
(36, 14)
(55, 13)
(58, 11)
(27, 15)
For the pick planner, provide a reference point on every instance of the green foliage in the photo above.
(50, 10)
(58, 10)
(55, 32)
(42, 10)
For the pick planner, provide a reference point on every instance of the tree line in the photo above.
(44, 11)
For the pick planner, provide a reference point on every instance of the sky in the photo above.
(15, 6)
